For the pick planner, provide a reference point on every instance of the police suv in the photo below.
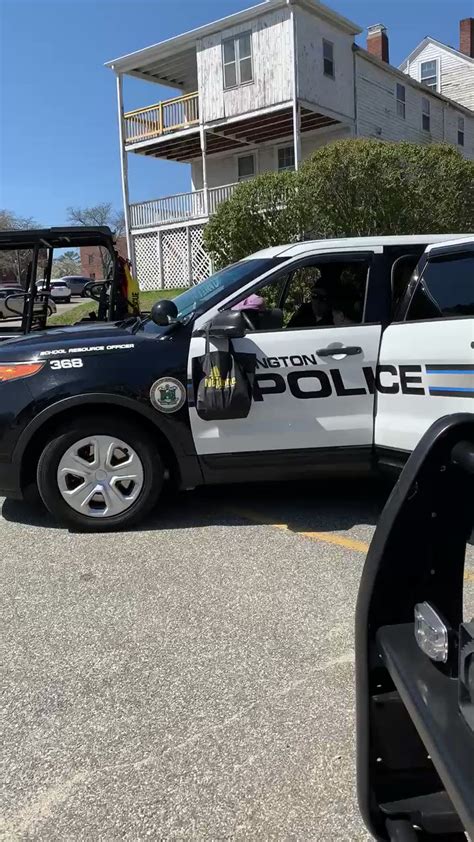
(358, 346)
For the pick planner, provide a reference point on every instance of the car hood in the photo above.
(51, 342)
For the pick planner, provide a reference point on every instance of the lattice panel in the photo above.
(176, 264)
(200, 259)
(146, 256)
(174, 250)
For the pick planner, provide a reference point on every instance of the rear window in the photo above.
(445, 290)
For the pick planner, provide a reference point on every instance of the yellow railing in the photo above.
(161, 118)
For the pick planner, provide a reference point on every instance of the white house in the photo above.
(257, 91)
(444, 69)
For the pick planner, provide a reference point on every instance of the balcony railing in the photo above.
(179, 208)
(161, 118)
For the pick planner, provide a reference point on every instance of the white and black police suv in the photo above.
(323, 356)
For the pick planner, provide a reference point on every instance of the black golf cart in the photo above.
(26, 307)
(415, 649)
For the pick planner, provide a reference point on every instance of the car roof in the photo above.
(452, 244)
(345, 243)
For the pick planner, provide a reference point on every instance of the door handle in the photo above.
(350, 351)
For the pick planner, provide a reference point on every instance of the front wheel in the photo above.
(100, 474)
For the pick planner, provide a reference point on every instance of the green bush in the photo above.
(263, 211)
(348, 188)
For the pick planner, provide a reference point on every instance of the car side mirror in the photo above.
(164, 312)
(229, 324)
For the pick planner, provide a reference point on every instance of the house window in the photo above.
(328, 58)
(90, 258)
(237, 60)
(286, 158)
(425, 114)
(429, 74)
(245, 167)
(461, 131)
(401, 102)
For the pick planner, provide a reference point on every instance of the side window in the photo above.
(445, 290)
(323, 294)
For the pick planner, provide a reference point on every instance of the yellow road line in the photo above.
(323, 537)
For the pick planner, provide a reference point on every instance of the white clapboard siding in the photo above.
(456, 74)
(377, 112)
(272, 68)
(313, 86)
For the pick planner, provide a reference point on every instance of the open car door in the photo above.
(415, 651)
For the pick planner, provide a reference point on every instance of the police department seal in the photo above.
(167, 394)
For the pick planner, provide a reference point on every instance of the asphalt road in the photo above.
(192, 679)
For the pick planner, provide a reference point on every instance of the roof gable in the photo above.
(445, 47)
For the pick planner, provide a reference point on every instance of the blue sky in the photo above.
(58, 125)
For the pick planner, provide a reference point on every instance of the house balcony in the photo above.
(163, 118)
(182, 207)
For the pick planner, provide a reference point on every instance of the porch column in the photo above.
(296, 106)
(124, 173)
(204, 168)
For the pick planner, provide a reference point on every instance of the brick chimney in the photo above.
(377, 41)
(466, 36)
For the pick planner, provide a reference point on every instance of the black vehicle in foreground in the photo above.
(415, 651)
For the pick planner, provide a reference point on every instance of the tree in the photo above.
(357, 187)
(263, 211)
(102, 214)
(14, 263)
(67, 264)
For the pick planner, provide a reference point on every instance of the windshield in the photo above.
(225, 280)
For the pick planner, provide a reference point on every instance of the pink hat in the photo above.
(253, 302)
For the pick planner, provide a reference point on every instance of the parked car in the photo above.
(76, 283)
(12, 300)
(59, 290)
(302, 389)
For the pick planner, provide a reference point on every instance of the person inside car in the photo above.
(324, 309)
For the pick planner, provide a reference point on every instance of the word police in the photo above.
(321, 383)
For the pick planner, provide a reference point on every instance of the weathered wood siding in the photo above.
(456, 75)
(377, 110)
(272, 68)
(313, 86)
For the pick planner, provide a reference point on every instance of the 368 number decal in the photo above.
(74, 363)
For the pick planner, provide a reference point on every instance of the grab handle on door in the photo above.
(349, 350)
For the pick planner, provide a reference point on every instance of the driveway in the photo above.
(192, 679)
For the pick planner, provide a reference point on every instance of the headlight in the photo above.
(431, 633)
(14, 371)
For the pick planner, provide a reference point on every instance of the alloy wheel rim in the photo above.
(100, 476)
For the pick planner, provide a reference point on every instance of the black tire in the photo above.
(140, 440)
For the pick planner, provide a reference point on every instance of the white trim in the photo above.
(333, 59)
(401, 101)
(236, 41)
(295, 91)
(124, 173)
(437, 74)
(153, 229)
(277, 147)
(251, 153)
